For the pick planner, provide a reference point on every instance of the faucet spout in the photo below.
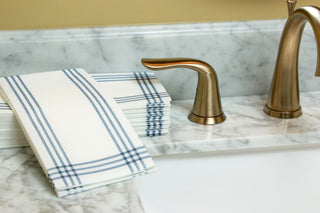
(283, 100)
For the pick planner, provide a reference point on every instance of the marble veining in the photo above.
(242, 53)
(24, 188)
(247, 127)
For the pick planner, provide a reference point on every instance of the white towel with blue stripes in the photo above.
(148, 94)
(80, 137)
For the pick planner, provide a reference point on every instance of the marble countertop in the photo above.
(246, 128)
(24, 188)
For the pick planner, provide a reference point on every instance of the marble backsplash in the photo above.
(243, 53)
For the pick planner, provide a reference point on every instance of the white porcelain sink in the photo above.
(286, 181)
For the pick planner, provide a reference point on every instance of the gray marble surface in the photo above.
(242, 53)
(247, 127)
(24, 188)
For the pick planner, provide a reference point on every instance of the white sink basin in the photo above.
(286, 181)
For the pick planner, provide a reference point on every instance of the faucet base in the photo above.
(207, 120)
(284, 114)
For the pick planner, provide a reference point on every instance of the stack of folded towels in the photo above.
(140, 95)
(142, 98)
(11, 134)
(79, 134)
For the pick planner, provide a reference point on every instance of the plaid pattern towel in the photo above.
(143, 98)
(149, 93)
(80, 137)
(143, 91)
(144, 101)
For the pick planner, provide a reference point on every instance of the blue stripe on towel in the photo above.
(85, 83)
(55, 138)
(104, 122)
(157, 132)
(141, 148)
(160, 100)
(114, 80)
(4, 106)
(104, 164)
(118, 77)
(145, 95)
(35, 125)
(153, 87)
(148, 107)
(102, 99)
(104, 110)
(132, 98)
(157, 94)
(146, 86)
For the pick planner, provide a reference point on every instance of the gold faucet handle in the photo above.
(291, 4)
(168, 63)
(207, 105)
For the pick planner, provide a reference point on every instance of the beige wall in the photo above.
(39, 14)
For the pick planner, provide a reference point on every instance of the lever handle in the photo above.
(291, 4)
(207, 104)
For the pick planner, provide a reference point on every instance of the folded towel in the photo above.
(146, 119)
(80, 137)
(141, 97)
(144, 89)
(153, 132)
(150, 92)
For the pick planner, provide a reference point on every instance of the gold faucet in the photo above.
(207, 105)
(283, 100)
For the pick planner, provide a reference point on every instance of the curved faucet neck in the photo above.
(284, 92)
(292, 33)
